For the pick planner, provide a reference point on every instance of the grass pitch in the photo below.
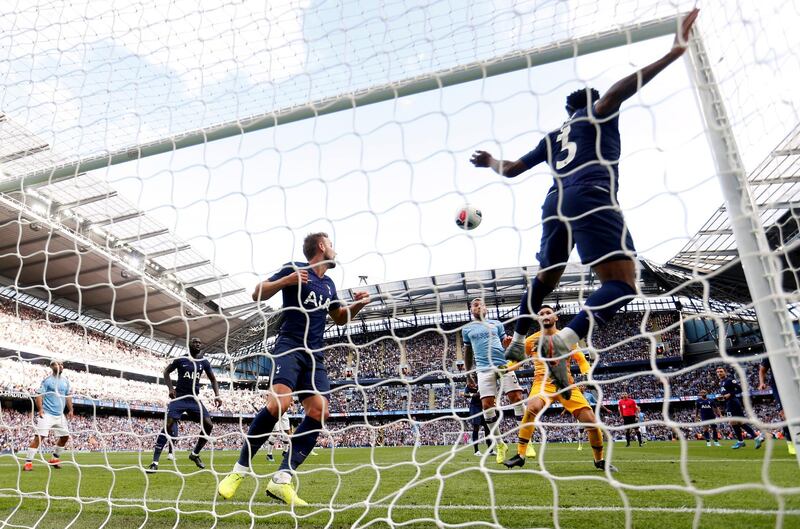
(387, 487)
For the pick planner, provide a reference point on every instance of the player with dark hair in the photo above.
(53, 397)
(707, 411)
(763, 370)
(186, 400)
(483, 351)
(731, 393)
(309, 297)
(581, 208)
(544, 393)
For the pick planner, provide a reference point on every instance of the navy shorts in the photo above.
(708, 418)
(476, 415)
(189, 405)
(301, 370)
(734, 408)
(595, 225)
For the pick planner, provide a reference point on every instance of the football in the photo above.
(468, 217)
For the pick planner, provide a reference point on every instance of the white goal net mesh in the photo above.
(160, 159)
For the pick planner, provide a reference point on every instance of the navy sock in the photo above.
(714, 432)
(476, 430)
(609, 298)
(737, 432)
(787, 435)
(487, 436)
(203, 439)
(304, 440)
(707, 435)
(161, 442)
(257, 435)
(531, 303)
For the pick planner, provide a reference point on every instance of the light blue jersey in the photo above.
(590, 398)
(54, 391)
(486, 339)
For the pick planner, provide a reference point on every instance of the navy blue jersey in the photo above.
(706, 409)
(730, 386)
(189, 373)
(306, 309)
(584, 151)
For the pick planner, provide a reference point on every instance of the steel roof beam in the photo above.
(116, 220)
(83, 201)
(141, 236)
(221, 295)
(182, 268)
(163, 253)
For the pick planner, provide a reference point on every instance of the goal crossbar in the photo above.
(518, 60)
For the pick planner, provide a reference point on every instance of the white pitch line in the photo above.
(139, 502)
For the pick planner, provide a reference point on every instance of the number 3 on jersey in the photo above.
(570, 146)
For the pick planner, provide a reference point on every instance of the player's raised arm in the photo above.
(286, 277)
(762, 377)
(214, 384)
(627, 86)
(343, 315)
(505, 168)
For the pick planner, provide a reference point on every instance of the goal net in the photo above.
(158, 160)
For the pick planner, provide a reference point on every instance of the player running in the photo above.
(483, 350)
(544, 392)
(581, 208)
(763, 369)
(53, 396)
(185, 397)
(309, 297)
(706, 410)
(731, 393)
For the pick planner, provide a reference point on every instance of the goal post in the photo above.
(758, 259)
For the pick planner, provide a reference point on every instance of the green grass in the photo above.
(389, 486)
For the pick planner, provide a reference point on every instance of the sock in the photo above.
(487, 436)
(173, 436)
(475, 434)
(707, 435)
(609, 298)
(569, 336)
(519, 410)
(161, 441)
(205, 432)
(714, 432)
(530, 303)
(241, 470)
(525, 433)
(282, 477)
(787, 435)
(737, 432)
(270, 446)
(262, 425)
(639, 435)
(57, 451)
(749, 430)
(31, 454)
(303, 442)
(596, 442)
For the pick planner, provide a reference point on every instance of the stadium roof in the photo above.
(775, 186)
(79, 240)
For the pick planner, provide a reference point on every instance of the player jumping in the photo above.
(544, 392)
(309, 297)
(185, 399)
(731, 393)
(53, 396)
(581, 207)
(483, 350)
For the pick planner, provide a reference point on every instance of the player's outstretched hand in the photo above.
(481, 159)
(682, 36)
(361, 297)
(218, 402)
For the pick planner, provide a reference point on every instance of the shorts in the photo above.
(476, 415)
(733, 408)
(297, 368)
(488, 387)
(548, 392)
(600, 235)
(189, 405)
(57, 423)
(630, 419)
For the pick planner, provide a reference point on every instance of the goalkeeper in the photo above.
(544, 392)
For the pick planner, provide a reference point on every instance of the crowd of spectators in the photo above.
(27, 329)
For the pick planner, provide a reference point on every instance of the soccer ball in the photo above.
(468, 217)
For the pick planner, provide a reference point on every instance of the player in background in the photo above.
(581, 207)
(544, 392)
(731, 393)
(591, 398)
(53, 397)
(185, 399)
(706, 410)
(629, 411)
(483, 351)
(642, 428)
(763, 369)
(476, 418)
(309, 297)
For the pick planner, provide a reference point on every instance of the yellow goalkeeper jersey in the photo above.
(539, 368)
